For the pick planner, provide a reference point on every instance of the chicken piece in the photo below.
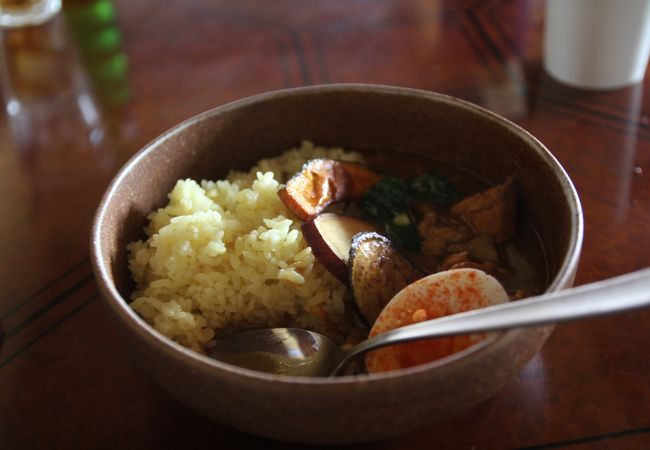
(453, 259)
(429, 220)
(491, 212)
(462, 261)
(426, 263)
(480, 248)
(439, 231)
(422, 208)
(434, 246)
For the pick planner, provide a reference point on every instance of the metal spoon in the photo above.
(298, 352)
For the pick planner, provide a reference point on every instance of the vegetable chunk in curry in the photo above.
(415, 226)
(466, 235)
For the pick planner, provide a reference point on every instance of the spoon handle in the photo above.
(626, 292)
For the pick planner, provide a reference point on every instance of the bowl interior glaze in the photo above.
(356, 117)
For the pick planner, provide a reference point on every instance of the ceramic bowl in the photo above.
(359, 117)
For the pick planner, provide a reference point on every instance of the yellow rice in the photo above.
(228, 255)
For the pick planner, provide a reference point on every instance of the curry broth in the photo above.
(523, 253)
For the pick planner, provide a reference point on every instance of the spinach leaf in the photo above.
(433, 188)
(388, 202)
(388, 198)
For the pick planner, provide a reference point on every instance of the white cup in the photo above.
(597, 44)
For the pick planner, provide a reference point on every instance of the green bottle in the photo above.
(94, 27)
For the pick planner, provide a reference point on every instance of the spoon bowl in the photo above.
(282, 351)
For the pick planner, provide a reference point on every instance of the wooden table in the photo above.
(85, 91)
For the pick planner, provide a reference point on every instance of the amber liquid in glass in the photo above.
(17, 5)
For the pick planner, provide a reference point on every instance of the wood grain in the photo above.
(66, 381)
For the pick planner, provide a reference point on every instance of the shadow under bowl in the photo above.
(366, 118)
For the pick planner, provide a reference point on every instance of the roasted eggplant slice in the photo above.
(377, 272)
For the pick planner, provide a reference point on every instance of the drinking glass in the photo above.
(19, 13)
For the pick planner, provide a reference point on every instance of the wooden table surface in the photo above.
(86, 90)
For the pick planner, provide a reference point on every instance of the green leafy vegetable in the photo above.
(388, 198)
(433, 188)
(389, 201)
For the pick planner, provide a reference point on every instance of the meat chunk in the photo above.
(438, 231)
(462, 261)
(480, 248)
(491, 212)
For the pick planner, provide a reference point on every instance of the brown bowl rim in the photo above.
(120, 305)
